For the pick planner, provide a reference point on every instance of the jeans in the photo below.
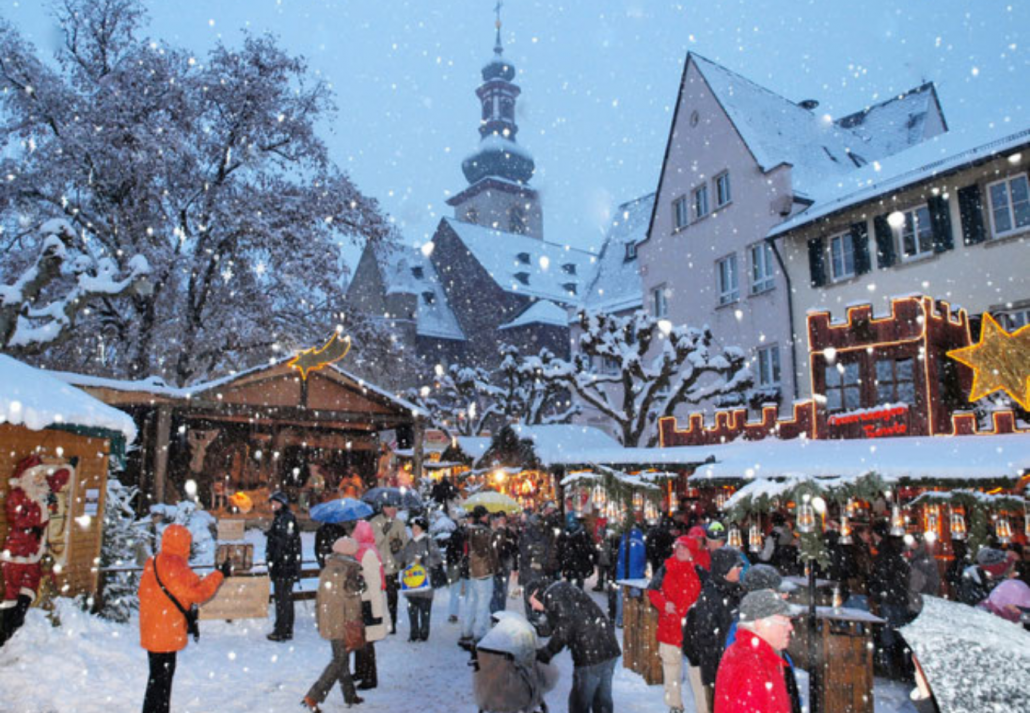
(392, 588)
(498, 600)
(419, 611)
(283, 589)
(365, 665)
(454, 588)
(592, 688)
(477, 608)
(337, 670)
(158, 698)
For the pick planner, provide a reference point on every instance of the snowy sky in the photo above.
(599, 78)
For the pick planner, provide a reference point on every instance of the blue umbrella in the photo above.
(395, 497)
(342, 510)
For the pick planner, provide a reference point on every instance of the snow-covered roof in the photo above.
(151, 385)
(933, 157)
(541, 312)
(496, 142)
(407, 270)
(474, 446)
(895, 124)
(915, 458)
(525, 265)
(616, 283)
(552, 443)
(35, 399)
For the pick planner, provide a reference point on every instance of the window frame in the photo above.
(727, 297)
(773, 361)
(768, 279)
(834, 277)
(680, 210)
(718, 183)
(894, 381)
(631, 250)
(699, 192)
(1007, 182)
(843, 387)
(1012, 321)
(659, 302)
(921, 254)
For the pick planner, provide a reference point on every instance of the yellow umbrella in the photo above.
(494, 502)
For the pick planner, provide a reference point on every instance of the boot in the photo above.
(5, 624)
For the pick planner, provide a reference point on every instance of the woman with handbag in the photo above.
(168, 592)
(373, 606)
(338, 613)
(420, 550)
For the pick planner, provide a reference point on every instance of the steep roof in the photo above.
(897, 123)
(406, 270)
(525, 265)
(934, 157)
(541, 312)
(616, 283)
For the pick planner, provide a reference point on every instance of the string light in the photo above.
(754, 538)
(806, 516)
(733, 538)
(897, 521)
(958, 525)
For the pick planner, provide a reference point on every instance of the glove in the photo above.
(225, 568)
(395, 546)
(543, 656)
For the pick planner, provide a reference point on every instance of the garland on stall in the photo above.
(619, 486)
(979, 509)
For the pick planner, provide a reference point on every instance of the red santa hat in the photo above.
(28, 468)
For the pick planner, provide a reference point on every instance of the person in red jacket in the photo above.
(751, 673)
(672, 591)
(162, 628)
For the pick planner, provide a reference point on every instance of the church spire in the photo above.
(498, 155)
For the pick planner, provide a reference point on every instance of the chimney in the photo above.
(809, 104)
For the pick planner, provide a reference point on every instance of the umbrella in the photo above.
(973, 660)
(394, 497)
(494, 502)
(342, 510)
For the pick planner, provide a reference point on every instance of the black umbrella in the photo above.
(403, 498)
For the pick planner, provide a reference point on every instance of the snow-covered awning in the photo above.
(34, 399)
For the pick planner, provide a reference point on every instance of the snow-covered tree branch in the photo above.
(636, 369)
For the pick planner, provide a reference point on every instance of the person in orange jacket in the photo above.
(162, 627)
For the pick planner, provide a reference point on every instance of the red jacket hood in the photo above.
(176, 540)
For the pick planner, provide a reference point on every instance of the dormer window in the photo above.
(429, 298)
(522, 277)
(570, 287)
(523, 258)
(631, 251)
(569, 268)
(418, 273)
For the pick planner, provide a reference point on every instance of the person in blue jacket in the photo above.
(631, 563)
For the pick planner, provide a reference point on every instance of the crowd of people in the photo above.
(723, 619)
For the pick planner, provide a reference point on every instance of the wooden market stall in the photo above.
(67, 430)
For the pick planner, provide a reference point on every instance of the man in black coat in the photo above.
(888, 592)
(578, 623)
(283, 555)
(709, 620)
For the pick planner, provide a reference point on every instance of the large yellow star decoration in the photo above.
(1000, 362)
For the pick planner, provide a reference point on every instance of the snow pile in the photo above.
(33, 398)
(974, 661)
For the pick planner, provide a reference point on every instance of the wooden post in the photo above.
(416, 463)
(163, 438)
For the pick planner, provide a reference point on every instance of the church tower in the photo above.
(498, 195)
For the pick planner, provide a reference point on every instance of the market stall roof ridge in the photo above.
(35, 399)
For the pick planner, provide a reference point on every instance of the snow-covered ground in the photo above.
(89, 665)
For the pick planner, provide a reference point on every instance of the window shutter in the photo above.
(970, 210)
(940, 222)
(816, 262)
(860, 241)
(885, 256)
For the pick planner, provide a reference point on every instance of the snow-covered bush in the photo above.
(119, 548)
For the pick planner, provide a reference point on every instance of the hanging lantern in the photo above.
(1003, 529)
(897, 521)
(599, 498)
(638, 501)
(650, 511)
(754, 539)
(806, 517)
(932, 520)
(733, 538)
(958, 526)
(851, 508)
(845, 531)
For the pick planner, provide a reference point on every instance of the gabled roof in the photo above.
(406, 270)
(933, 158)
(524, 265)
(542, 312)
(616, 283)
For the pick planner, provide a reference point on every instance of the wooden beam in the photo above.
(164, 432)
(416, 465)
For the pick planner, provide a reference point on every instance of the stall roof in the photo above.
(34, 399)
(474, 446)
(552, 444)
(916, 458)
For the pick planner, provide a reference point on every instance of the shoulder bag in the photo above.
(191, 615)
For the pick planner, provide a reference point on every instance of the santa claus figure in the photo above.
(31, 500)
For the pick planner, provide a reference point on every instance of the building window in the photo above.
(631, 250)
(769, 366)
(842, 257)
(895, 382)
(507, 108)
(659, 302)
(680, 215)
(569, 268)
(523, 258)
(1010, 205)
(1017, 318)
(842, 387)
(472, 215)
(517, 221)
(917, 234)
(609, 365)
(522, 277)
(729, 290)
(429, 298)
(700, 202)
(570, 287)
(761, 268)
(722, 190)
(417, 272)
